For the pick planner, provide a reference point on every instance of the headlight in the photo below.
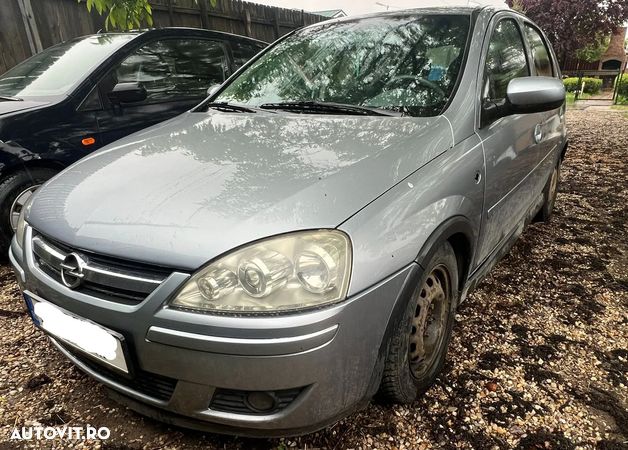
(291, 272)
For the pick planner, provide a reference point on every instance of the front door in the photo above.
(176, 74)
(509, 144)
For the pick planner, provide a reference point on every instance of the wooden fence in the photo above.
(29, 26)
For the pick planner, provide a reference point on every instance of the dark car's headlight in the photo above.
(290, 272)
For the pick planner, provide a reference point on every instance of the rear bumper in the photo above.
(328, 358)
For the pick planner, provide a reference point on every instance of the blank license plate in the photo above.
(86, 336)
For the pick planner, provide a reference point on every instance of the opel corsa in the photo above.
(267, 262)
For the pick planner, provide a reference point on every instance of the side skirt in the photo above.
(501, 250)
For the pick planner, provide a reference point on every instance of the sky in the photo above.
(352, 7)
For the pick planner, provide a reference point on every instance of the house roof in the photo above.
(332, 13)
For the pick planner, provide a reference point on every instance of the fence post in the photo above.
(276, 23)
(170, 13)
(202, 4)
(247, 23)
(32, 33)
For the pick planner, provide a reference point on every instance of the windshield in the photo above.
(405, 63)
(57, 69)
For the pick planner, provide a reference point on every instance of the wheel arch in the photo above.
(458, 232)
(8, 170)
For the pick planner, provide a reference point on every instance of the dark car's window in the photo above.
(505, 61)
(243, 51)
(172, 69)
(92, 102)
(57, 69)
(540, 52)
(404, 63)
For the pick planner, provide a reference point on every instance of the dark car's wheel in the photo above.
(419, 344)
(15, 190)
(549, 193)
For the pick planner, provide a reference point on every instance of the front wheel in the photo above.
(15, 190)
(419, 344)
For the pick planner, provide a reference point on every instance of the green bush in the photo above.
(591, 85)
(622, 90)
(571, 84)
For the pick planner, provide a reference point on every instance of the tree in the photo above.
(518, 5)
(575, 25)
(122, 14)
(595, 49)
(126, 14)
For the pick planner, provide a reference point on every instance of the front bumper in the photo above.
(328, 360)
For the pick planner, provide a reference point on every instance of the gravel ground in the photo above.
(538, 360)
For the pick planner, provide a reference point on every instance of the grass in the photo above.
(571, 98)
(622, 107)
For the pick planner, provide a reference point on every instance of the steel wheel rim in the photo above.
(18, 205)
(429, 323)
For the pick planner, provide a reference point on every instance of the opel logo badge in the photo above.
(72, 270)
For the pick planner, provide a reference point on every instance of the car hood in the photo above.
(12, 106)
(194, 187)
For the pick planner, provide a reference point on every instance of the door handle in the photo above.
(538, 133)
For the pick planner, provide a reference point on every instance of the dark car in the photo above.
(75, 97)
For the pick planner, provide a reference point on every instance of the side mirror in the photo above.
(127, 93)
(534, 94)
(212, 89)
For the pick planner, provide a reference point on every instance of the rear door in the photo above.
(509, 145)
(176, 73)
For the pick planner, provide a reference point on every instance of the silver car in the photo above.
(267, 262)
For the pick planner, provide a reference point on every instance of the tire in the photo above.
(549, 194)
(406, 374)
(11, 188)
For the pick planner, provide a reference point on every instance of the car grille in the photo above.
(235, 401)
(103, 277)
(150, 384)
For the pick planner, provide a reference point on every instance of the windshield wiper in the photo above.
(11, 99)
(329, 107)
(229, 107)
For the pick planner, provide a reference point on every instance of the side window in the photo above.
(92, 101)
(540, 52)
(173, 69)
(242, 52)
(506, 60)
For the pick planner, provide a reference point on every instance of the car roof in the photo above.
(184, 31)
(466, 8)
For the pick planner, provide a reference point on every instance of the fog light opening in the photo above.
(261, 401)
